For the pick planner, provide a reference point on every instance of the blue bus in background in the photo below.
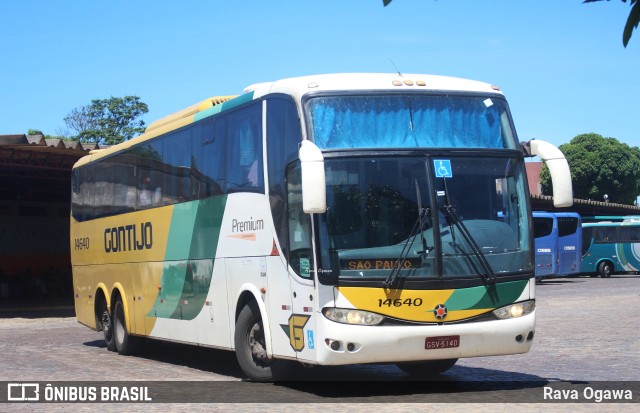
(611, 247)
(558, 243)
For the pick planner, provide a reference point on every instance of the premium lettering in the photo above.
(244, 226)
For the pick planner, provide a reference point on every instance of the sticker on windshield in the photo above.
(443, 168)
(305, 267)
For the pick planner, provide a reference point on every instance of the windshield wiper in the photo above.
(393, 277)
(421, 213)
(452, 217)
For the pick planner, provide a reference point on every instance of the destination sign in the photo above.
(379, 264)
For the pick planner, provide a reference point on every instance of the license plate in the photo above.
(432, 343)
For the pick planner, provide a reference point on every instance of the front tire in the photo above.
(251, 349)
(427, 369)
(125, 343)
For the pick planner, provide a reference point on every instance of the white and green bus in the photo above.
(326, 220)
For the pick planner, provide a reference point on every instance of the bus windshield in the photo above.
(410, 121)
(407, 214)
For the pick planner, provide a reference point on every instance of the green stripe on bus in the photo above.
(186, 276)
(244, 98)
(207, 112)
(247, 97)
(491, 296)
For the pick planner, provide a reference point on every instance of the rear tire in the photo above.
(605, 268)
(251, 350)
(125, 343)
(105, 324)
(427, 369)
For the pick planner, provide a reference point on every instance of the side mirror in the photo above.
(314, 192)
(558, 168)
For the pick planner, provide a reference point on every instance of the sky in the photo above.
(561, 64)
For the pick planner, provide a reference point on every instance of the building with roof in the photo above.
(35, 176)
(588, 209)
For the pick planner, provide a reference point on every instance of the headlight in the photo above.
(349, 316)
(515, 310)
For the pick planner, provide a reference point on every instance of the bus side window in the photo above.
(125, 182)
(244, 150)
(247, 137)
(149, 163)
(283, 135)
(300, 257)
(76, 196)
(104, 187)
(176, 167)
(208, 159)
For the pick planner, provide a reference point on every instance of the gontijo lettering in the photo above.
(128, 238)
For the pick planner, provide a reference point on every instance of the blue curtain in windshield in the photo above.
(406, 122)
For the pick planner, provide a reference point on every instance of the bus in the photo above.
(611, 247)
(558, 243)
(321, 220)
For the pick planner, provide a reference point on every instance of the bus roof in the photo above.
(191, 110)
(612, 224)
(298, 87)
(544, 214)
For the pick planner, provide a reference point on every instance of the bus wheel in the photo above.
(106, 325)
(605, 269)
(427, 368)
(251, 350)
(126, 344)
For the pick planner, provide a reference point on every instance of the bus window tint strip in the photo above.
(406, 121)
(218, 155)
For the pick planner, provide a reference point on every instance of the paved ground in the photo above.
(586, 333)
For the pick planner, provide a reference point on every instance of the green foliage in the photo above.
(108, 121)
(632, 20)
(600, 166)
(39, 132)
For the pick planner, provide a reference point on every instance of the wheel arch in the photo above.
(118, 291)
(602, 264)
(603, 260)
(246, 294)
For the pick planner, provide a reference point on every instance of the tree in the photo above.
(632, 20)
(80, 120)
(600, 166)
(108, 121)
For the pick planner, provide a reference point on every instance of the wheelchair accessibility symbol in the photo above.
(442, 168)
